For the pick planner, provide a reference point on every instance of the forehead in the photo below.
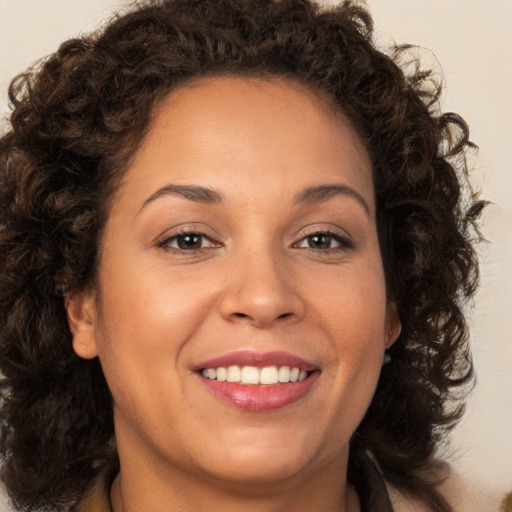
(273, 131)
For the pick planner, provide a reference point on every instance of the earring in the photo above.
(387, 357)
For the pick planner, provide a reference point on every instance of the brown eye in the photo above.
(320, 241)
(325, 241)
(188, 242)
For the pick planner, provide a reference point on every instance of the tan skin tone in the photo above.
(272, 267)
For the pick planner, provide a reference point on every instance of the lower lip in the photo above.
(260, 398)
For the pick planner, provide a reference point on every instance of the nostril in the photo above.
(246, 316)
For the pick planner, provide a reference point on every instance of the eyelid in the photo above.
(339, 235)
(163, 241)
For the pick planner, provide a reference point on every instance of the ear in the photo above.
(81, 311)
(393, 325)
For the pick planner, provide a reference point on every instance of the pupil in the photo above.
(189, 242)
(320, 241)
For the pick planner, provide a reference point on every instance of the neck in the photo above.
(127, 498)
(149, 485)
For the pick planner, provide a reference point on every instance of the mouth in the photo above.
(258, 382)
(252, 375)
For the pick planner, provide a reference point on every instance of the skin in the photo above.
(258, 281)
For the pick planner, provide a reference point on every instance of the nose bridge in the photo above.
(259, 288)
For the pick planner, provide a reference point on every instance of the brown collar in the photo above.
(369, 484)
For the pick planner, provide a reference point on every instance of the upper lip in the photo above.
(251, 358)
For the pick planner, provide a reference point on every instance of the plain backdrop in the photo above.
(471, 41)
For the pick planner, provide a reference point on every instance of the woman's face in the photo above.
(242, 244)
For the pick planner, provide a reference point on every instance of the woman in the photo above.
(236, 245)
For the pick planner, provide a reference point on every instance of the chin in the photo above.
(256, 471)
(265, 461)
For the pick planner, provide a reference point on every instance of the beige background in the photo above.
(473, 42)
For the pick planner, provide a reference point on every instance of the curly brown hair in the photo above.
(80, 116)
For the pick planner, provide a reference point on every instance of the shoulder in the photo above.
(463, 496)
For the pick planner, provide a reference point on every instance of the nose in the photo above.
(262, 293)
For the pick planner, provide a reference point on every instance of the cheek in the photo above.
(352, 311)
(145, 322)
(147, 301)
(352, 305)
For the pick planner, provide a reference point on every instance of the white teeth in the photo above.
(252, 375)
(234, 374)
(269, 375)
(284, 374)
(222, 374)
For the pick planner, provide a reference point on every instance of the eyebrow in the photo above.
(323, 192)
(190, 192)
(206, 195)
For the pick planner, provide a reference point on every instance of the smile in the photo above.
(252, 375)
(258, 382)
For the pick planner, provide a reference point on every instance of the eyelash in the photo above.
(344, 242)
(166, 243)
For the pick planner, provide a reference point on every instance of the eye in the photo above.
(188, 242)
(324, 240)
